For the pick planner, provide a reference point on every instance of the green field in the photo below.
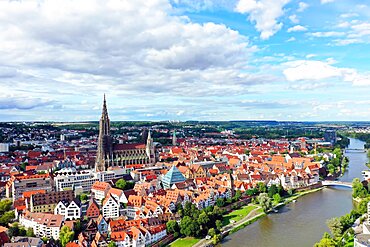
(237, 214)
(184, 242)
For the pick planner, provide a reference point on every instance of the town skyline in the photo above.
(283, 60)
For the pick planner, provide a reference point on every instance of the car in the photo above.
(208, 237)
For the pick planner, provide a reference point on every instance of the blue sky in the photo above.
(185, 60)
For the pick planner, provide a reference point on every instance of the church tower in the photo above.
(104, 152)
(150, 148)
(174, 139)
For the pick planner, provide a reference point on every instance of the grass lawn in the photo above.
(237, 214)
(184, 242)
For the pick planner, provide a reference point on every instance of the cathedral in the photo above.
(111, 154)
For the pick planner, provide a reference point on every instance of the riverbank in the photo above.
(254, 216)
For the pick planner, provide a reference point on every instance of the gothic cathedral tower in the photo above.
(104, 152)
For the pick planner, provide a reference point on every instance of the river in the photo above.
(303, 223)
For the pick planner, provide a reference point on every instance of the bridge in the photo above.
(355, 150)
(336, 183)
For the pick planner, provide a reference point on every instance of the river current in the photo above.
(303, 223)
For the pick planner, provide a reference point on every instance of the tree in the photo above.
(211, 232)
(7, 217)
(335, 226)
(272, 190)
(218, 225)
(261, 187)
(358, 189)
(251, 192)
(290, 192)
(238, 195)
(121, 184)
(13, 230)
(83, 197)
(66, 235)
(172, 226)
(189, 227)
(112, 244)
(265, 201)
(326, 242)
(5, 205)
(277, 198)
(29, 232)
(216, 239)
(220, 202)
(203, 221)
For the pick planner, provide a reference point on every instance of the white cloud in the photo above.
(326, 1)
(265, 13)
(297, 28)
(302, 6)
(310, 55)
(294, 19)
(314, 70)
(140, 46)
(291, 39)
(328, 34)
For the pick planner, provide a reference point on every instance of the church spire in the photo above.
(104, 141)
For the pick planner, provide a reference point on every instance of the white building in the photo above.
(43, 225)
(66, 180)
(100, 190)
(70, 210)
(4, 147)
(71, 180)
(110, 207)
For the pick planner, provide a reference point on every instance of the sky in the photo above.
(284, 60)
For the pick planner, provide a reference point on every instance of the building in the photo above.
(4, 147)
(43, 224)
(111, 154)
(100, 190)
(330, 136)
(172, 176)
(110, 207)
(46, 202)
(71, 210)
(33, 242)
(24, 182)
(73, 180)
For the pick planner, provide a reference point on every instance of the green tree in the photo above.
(83, 197)
(220, 202)
(172, 226)
(5, 205)
(13, 230)
(218, 225)
(189, 227)
(29, 232)
(326, 242)
(112, 244)
(251, 192)
(121, 184)
(272, 190)
(261, 187)
(265, 201)
(216, 239)
(211, 232)
(66, 235)
(238, 195)
(277, 198)
(7, 217)
(335, 226)
(358, 189)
